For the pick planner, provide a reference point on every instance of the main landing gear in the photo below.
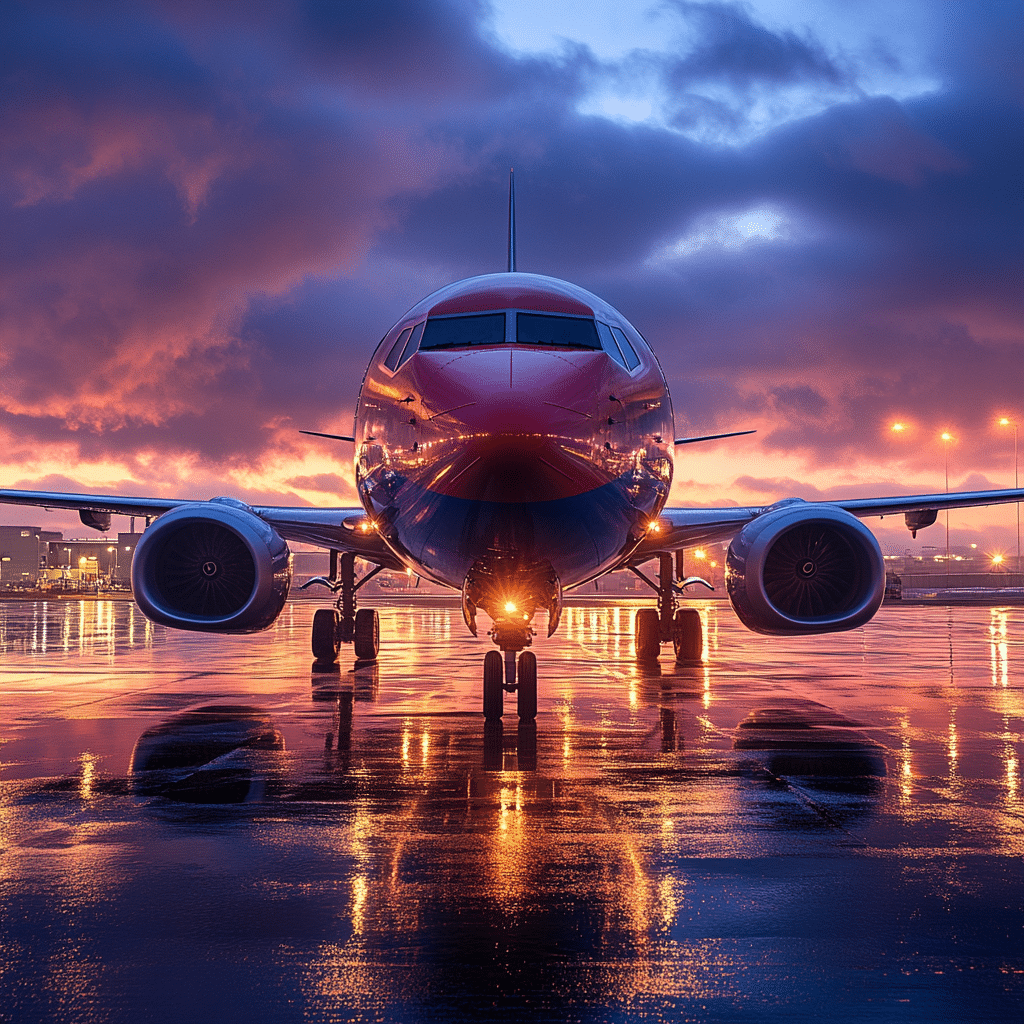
(505, 673)
(344, 624)
(682, 626)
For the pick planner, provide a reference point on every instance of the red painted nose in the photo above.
(513, 425)
(513, 390)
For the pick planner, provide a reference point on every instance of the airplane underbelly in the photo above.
(578, 535)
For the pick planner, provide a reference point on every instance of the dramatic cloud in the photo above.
(211, 213)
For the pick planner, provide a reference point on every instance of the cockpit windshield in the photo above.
(529, 329)
(564, 331)
(457, 331)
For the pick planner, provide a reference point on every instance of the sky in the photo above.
(210, 213)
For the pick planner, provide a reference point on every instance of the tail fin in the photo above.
(511, 220)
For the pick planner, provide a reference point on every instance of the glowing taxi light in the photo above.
(997, 559)
(510, 606)
(700, 553)
(654, 526)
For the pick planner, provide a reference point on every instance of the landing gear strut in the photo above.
(344, 624)
(655, 626)
(508, 671)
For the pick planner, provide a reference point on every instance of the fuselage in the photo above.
(517, 418)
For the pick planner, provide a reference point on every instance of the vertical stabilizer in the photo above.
(511, 220)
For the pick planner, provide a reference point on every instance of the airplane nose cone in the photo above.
(513, 425)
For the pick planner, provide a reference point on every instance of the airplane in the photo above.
(514, 439)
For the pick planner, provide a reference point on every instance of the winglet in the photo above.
(511, 220)
(713, 437)
(333, 437)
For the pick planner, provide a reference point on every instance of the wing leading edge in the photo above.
(683, 527)
(344, 529)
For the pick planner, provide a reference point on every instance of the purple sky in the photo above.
(212, 212)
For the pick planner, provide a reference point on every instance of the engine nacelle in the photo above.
(212, 566)
(804, 568)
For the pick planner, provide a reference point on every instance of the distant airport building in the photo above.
(94, 560)
(23, 551)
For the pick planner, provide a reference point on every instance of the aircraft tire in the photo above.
(688, 636)
(494, 678)
(526, 694)
(367, 634)
(647, 635)
(326, 636)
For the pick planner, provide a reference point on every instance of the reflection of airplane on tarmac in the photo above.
(514, 438)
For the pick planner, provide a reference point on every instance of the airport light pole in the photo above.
(946, 439)
(1004, 422)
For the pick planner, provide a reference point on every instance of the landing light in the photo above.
(509, 606)
(654, 526)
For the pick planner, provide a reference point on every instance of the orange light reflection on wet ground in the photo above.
(811, 825)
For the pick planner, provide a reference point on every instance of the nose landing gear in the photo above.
(508, 671)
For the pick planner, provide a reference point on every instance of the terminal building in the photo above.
(23, 554)
(30, 555)
(93, 560)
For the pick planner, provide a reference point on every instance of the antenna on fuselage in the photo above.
(511, 220)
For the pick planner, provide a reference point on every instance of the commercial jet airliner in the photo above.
(514, 438)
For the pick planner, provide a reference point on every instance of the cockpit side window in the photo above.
(411, 344)
(460, 331)
(628, 352)
(396, 350)
(609, 344)
(564, 331)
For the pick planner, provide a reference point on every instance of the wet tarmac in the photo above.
(201, 828)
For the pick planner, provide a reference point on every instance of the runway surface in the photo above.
(799, 829)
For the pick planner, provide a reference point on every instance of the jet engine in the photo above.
(804, 568)
(212, 566)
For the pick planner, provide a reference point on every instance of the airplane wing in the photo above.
(344, 529)
(684, 527)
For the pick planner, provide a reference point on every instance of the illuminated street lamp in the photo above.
(1004, 422)
(947, 437)
(898, 428)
